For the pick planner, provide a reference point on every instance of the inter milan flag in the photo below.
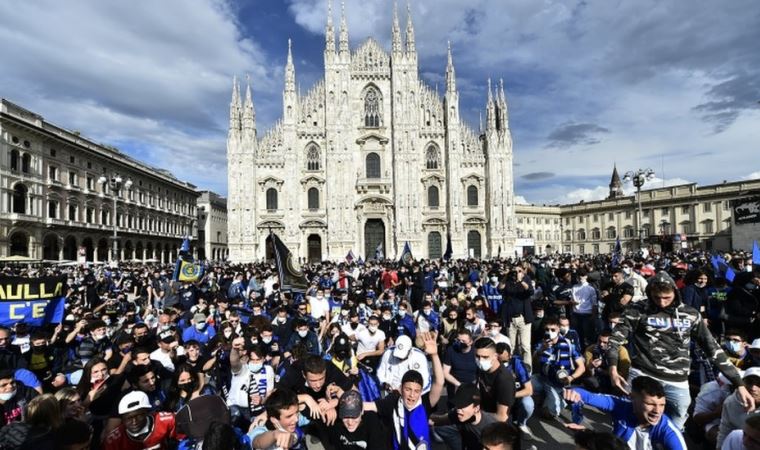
(187, 271)
(291, 275)
(35, 301)
(350, 256)
(755, 254)
(379, 251)
(449, 251)
(616, 253)
(406, 255)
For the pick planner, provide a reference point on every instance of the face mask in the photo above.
(372, 329)
(484, 364)
(540, 315)
(550, 335)
(320, 297)
(266, 339)
(107, 321)
(700, 284)
(255, 367)
(40, 349)
(750, 286)
(344, 312)
(200, 326)
(303, 333)
(99, 337)
(7, 396)
(427, 312)
(612, 325)
(494, 332)
(126, 350)
(386, 317)
(564, 330)
(735, 347)
(627, 270)
(748, 268)
(187, 387)
(401, 312)
(354, 325)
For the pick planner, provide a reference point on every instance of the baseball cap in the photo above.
(403, 347)
(755, 344)
(167, 336)
(464, 396)
(350, 405)
(134, 401)
(752, 371)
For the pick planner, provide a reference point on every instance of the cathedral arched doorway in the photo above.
(89, 249)
(70, 248)
(374, 239)
(51, 248)
(103, 250)
(19, 244)
(314, 248)
(473, 243)
(434, 245)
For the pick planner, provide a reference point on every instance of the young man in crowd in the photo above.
(496, 383)
(524, 404)
(140, 428)
(282, 429)
(501, 436)
(467, 417)
(357, 429)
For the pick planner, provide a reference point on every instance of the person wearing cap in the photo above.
(406, 411)
(501, 436)
(356, 429)
(467, 418)
(660, 330)
(734, 414)
(139, 428)
(400, 358)
(166, 352)
(200, 330)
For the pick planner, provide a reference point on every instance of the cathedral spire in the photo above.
(343, 45)
(396, 31)
(249, 114)
(451, 78)
(616, 186)
(490, 109)
(329, 31)
(290, 71)
(235, 107)
(490, 92)
(410, 47)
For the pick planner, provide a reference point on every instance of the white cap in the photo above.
(755, 344)
(752, 371)
(403, 347)
(134, 401)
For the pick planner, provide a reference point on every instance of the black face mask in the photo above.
(187, 387)
(39, 349)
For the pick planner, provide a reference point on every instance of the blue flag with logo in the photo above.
(35, 301)
(406, 254)
(616, 253)
(449, 250)
(755, 254)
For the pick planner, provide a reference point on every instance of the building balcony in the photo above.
(365, 185)
(19, 217)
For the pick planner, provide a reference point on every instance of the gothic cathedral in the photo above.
(369, 159)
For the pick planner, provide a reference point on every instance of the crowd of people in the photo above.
(464, 354)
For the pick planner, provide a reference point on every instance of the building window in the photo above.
(686, 227)
(611, 233)
(72, 179)
(628, 232)
(313, 198)
(611, 216)
(433, 202)
(104, 217)
(373, 165)
(726, 205)
(568, 235)
(627, 214)
(472, 196)
(72, 212)
(435, 247)
(580, 219)
(72, 160)
(596, 217)
(581, 234)
(582, 249)
(15, 159)
(19, 198)
(596, 234)
(272, 199)
(707, 207)
(89, 213)
(90, 183)
(312, 158)
(519, 220)
(665, 211)
(684, 210)
(53, 173)
(473, 243)
(596, 249)
(645, 231)
(372, 108)
(52, 152)
(52, 209)
(432, 157)
(707, 227)
(538, 235)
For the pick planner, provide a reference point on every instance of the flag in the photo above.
(449, 251)
(35, 301)
(185, 248)
(291, 276)
(406, 255)
(360, 261)
(730, 275)
(715, 264)
(350, 257)
(616, 253)
(755, 254)
(187, 271)
(379, 251)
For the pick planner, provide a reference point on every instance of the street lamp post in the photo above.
(115, 183)
(638, 178)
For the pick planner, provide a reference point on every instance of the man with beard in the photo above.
(140, 429)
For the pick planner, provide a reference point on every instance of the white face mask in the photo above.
(200, 326)
(227, 333)
(564, 330)
(386, 317)
(372, 329)
(627, 270)
(7, 395)
(266, 339)
(552, 334)
(494, 331)
(281, 319)
(401, 312)
(98, 337)
(255, 367)
(484, 364)
(303, 333)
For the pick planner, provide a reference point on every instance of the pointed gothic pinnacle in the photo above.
(248, 97)
(290, 52)
(501, 90)
(329, 12)
(448, 45)
(235, 91)
(490, 93)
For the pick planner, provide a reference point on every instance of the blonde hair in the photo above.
(44, 410)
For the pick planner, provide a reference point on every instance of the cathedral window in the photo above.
(14, 159)
(272, 199)
(312, 158)
(472, 196)
(433, 157)
(372, 108)
(313, 198)
(433, 200)
(373, 165)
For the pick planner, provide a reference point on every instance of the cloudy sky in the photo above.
(667, 84)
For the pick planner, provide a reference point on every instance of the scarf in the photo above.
(410, 428)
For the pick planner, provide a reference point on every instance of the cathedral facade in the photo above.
(368, 159)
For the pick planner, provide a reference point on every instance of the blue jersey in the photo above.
(520, 373)
(493, 296)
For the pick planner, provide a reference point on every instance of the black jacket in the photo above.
(516, 301)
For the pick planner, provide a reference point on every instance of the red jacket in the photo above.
(163, 430)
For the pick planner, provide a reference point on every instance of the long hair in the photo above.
(44, 411)
(85, 383)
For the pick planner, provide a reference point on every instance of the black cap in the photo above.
(466, 395)
(350, 405)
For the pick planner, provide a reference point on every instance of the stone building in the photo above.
(538, 230)
(212, 226)
(369, 158)
(53, 205)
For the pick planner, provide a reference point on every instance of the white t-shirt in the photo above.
(239, 384)
(391, 369)
(711, 396)
(164, 358)
(348, 331)
(734, 441)
(319, 308)
(584, 297)
(367, 342)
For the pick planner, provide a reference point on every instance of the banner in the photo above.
(406, 255)
(187, 271)
(747, 210)
(449, 251)
(35, 301)
(291, 275)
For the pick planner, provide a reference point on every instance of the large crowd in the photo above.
(466, 354)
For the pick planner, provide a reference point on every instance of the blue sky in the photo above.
(664, 84)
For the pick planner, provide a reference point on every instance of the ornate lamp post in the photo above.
(115, 182)
(638, 178)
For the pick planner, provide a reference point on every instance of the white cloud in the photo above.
(752, 176)
(520, 200)
(601, 192)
